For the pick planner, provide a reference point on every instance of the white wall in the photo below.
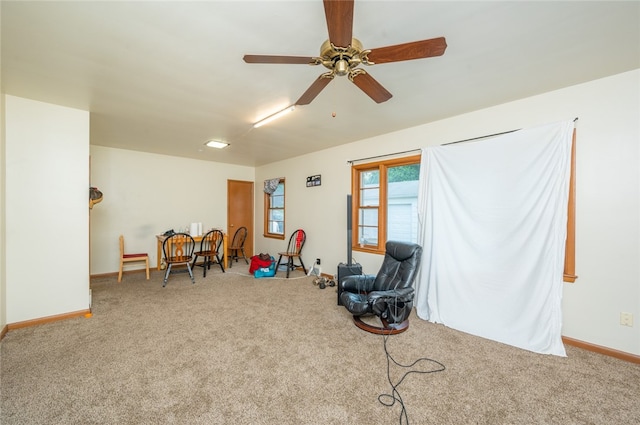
(146, 194)
(608, 196)
(47, 220)
(3, 227)
(3, 275)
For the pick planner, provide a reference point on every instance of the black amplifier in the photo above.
(345, 270)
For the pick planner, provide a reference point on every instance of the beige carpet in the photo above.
(232, 349)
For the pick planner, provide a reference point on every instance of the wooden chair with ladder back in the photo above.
(128, 258)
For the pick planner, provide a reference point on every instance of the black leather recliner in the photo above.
(389, 294)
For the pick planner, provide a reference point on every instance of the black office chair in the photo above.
(236, 249)
(294, 250)
(389, 294)
(210, 250)
(178, 250)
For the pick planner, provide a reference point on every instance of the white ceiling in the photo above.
(165, 77)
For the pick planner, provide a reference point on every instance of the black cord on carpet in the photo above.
(390, 399)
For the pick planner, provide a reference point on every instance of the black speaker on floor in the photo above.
(345, 270)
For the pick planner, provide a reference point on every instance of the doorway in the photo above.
(240, 211)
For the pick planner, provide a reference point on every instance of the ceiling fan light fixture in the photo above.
(216, 144)
(342, 54)
(274, 116)
(341, 67)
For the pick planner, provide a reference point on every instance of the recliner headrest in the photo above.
(401, 250)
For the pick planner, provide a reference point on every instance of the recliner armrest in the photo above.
(393, 306)
(401, 294)
(358, 283)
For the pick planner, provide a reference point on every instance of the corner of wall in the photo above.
(3, 274)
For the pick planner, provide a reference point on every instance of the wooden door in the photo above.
(240, 211)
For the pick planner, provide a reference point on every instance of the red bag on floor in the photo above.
(259, 262)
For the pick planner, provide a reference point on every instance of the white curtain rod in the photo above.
(351, 161)
(489, 135)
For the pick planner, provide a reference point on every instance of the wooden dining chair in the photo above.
(178, 250)
(127, 258)
(294, 250)
(210, 251)
(236, 249)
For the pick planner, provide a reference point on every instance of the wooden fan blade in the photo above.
(408, 51)
(371, 87)
(305, 60)
(339, 14)
(314, 90)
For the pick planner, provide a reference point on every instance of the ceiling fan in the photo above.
(342, 55)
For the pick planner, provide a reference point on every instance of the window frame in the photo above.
(381, 167)
(569, 274)
(267, 197)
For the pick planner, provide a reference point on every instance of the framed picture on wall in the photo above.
(313, 181)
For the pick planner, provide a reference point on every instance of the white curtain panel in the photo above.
(493, 216)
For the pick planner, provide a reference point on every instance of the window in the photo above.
(385, 202)
(274, 213)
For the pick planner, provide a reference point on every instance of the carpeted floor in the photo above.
(232, 349)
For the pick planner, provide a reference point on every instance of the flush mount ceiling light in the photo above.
(216, 144)
(274, 116)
